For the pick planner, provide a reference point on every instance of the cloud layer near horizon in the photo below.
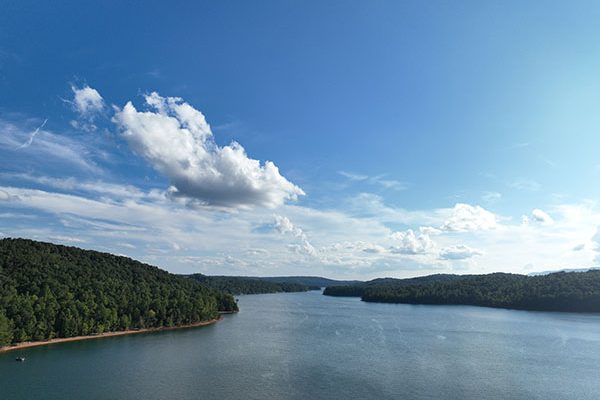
(149, 226)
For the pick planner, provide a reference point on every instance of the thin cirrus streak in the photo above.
(32, 136)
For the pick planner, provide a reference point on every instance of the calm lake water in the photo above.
(309, 346)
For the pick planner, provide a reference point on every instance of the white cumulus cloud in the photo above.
(176, 139)
(284, 226)
(88, 103)
(459, 252)
(410, 243)
(87, 100)
(465, 217)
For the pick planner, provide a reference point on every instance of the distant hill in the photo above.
(314, 281)
(248, 285)
(563, 270)
(358, 289)
(271, 284)
(572, 292)
(51, 291)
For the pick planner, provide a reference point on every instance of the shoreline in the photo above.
(26, 345)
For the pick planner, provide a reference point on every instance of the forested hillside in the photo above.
(247, 285)
(271, 284)
(358, 289)
(575, 292)
(49, 291)
(312, 281)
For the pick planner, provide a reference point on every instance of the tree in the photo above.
(6, 330)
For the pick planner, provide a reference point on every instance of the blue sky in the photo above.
(347, 139)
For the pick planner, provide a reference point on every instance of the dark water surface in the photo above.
(308, 346)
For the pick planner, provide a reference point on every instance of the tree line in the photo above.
(248, 285)
(51, 291)
(358, 289)
(561, 291)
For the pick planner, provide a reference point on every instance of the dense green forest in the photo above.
(271, 284)
(248, 285)
(358, 289)
(49, 291)
(574, 292)
(312, 281)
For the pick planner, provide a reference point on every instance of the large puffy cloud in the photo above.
(465, 217)
(459, 252)
(408, 242)
(176, 139)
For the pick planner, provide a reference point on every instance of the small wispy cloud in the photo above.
(380, 180)
(32, 136)
(44, 146)
(579, 247)
(525, 184)
(547, 161)
(352, 176)
(542, 217)
(490, 197)
(67, 239)
(125, 244)
(459, 252)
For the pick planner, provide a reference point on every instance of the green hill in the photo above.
(358, 289)
(312, 281)
(271, 284)
(50, 291)
(573, 292)
(247, 285)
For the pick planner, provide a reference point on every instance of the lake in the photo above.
(309, 346)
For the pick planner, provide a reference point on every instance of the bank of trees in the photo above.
(359, 289)
(247, 285)
(49, 291)
(573, 291)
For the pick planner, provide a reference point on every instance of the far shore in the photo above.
(25, 345)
